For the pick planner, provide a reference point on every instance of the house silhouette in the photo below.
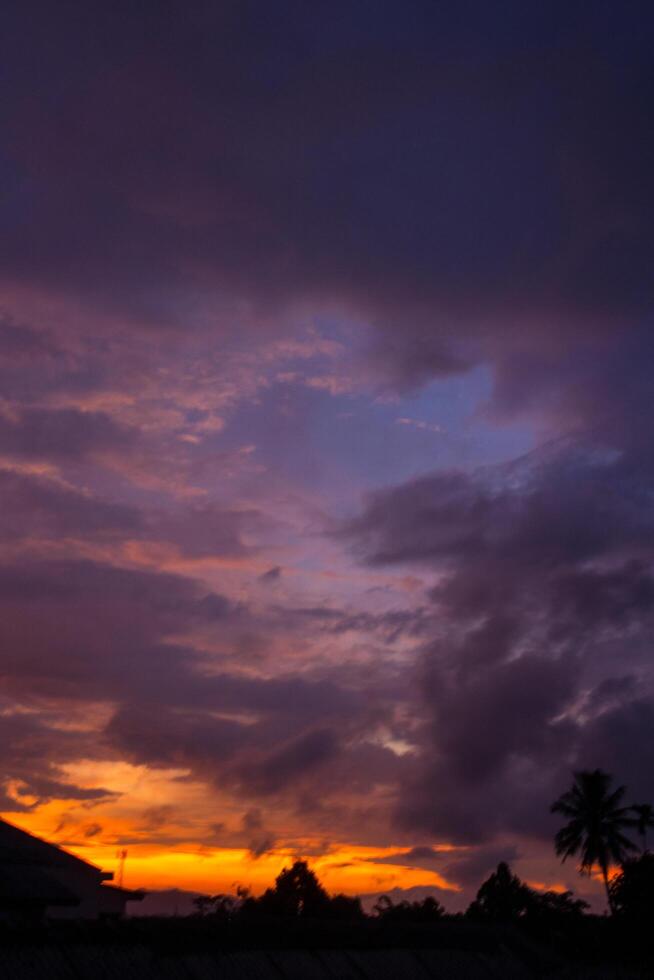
(39, 879)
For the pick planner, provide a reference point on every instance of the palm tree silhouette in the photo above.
(595, 824)
(644, 819)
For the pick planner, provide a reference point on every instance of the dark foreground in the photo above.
(86, 962)
(194, 949)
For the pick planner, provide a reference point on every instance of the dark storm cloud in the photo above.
(545, 585)
(623, 737)
(567, 502)
(279, 757)
(514, 704)
(422, 162)
(309, 752)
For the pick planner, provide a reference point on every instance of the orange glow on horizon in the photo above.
(351, 869)
(167, 823)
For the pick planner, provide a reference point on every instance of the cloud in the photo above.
(75, 633)
(622, 738)
(471, 868)
(541, 157)
(306, 753)
(261, 841)
(52, 434)
(299, 208)
(40, 507)
(542, 573)
(92, 830)
(33, 756)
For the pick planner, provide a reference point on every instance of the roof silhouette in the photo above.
(20, 847)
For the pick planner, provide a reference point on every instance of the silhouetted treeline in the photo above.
(502, 898)
(546, 929)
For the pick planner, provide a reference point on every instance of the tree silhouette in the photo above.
(429, 910)
(299, 892)
(644, 819)
(502, 897)
(596, 822)
(505, 898)
(632, 891)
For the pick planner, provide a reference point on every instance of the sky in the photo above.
(326, 433)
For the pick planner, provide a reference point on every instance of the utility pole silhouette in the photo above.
(121, 855)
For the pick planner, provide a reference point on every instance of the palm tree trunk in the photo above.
(605, 875)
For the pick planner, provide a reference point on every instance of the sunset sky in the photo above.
(326, 433)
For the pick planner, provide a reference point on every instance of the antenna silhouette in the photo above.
(121, 855)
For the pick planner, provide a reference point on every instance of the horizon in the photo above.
(326, 463)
